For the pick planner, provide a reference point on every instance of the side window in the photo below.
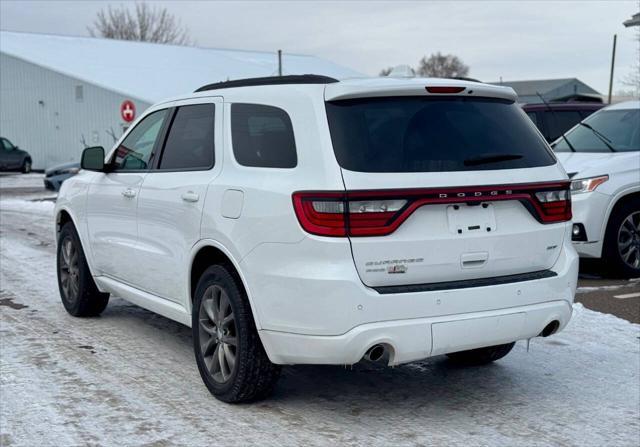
(190, 142)
(561, 121)
(6, 145)
(262, 136)
(136, 149)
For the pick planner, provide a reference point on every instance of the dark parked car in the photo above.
(553, 119)
(55, 175)
(12, 158)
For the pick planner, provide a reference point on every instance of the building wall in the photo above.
(54, 116)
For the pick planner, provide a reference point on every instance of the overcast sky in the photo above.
(515, 40)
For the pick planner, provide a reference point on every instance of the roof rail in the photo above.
(270, 80)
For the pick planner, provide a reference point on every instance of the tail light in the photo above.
(378, 213)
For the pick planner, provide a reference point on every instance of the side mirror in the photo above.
(93, 159)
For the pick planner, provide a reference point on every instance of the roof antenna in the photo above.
(279, 62)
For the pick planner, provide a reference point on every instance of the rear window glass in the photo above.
(262, 136)
(418, 134)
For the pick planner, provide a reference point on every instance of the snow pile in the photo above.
(44, 207)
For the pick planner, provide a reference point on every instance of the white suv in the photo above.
(305, 220)
(602, 156)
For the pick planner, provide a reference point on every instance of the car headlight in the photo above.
(70, 171)
(587, 184)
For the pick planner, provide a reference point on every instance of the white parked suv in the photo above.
(304, 220)
(602, 157)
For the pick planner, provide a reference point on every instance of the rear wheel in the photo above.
(78, 292)
(621, 251)
(481, 356)
(231, 359)
(26, 166)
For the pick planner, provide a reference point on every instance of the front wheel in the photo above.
(481, 356)
(621, 251)
(26, 166)
(78, 292)
(231, 359)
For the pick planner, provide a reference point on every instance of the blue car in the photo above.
(55, 175)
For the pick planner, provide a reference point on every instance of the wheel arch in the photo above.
(207, 253)
(620, 199)
(64, 215)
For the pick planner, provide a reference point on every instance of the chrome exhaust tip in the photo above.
(375, 353)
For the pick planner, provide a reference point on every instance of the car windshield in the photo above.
(427, 134)
(605, 131)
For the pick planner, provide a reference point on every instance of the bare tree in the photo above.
(385, 71)
(145, 24)
(442, 66)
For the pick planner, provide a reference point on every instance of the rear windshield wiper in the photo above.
(600, 136)
(491, 158)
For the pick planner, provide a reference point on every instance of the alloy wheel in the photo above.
(218, 334)
(69, 270)
(629, 240)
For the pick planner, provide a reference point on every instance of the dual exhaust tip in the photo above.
(376, 352)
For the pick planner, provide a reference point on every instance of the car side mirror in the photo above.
(93, 159)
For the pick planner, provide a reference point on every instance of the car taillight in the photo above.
(555, 205)
(378, 213)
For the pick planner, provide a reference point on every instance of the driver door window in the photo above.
(136, 151)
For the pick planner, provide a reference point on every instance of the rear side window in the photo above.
(262, 136)
(426, 134)
(189, 144)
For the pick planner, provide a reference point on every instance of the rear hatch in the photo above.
(443, 187)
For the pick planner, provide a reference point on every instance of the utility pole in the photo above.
(613, 61)
(280, 63)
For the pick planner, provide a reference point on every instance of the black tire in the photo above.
(481, 356)
(26, 166)
(78, 291)
(252, 376)
(613, 262)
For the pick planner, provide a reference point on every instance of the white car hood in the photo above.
(584, 164)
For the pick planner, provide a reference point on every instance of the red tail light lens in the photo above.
(378, 213)
(555, 205)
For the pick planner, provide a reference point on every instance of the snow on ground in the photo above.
(11, 180)
(129, 378)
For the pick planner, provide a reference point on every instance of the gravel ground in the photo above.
(129, 378)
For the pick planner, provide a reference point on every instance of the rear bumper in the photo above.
(311, 307)
(409, 340)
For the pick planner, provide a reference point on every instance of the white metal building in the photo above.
(59, 94)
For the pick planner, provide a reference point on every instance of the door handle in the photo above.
(190, 196)
(129, 193)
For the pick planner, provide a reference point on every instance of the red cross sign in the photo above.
(128, 111)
